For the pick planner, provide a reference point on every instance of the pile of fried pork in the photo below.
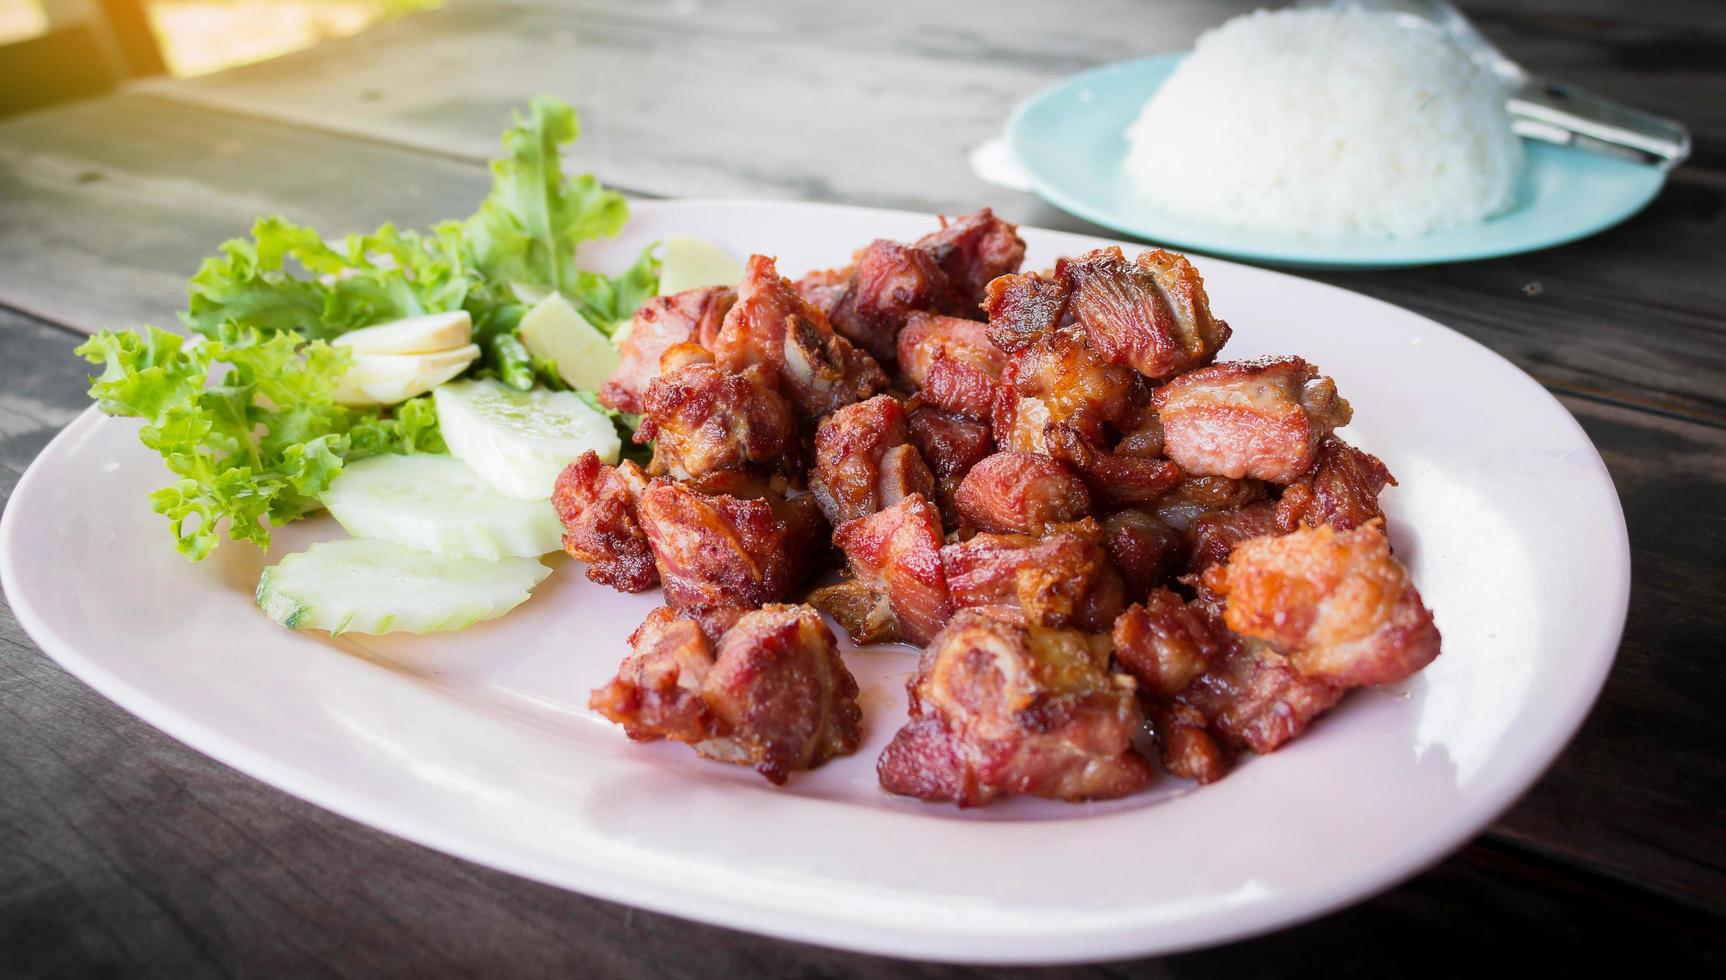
(1045, 480)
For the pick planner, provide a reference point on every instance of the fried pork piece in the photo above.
(1164, 643)
(972, 250)
(1150, 314)
(1335, 602)
(864, 461)
(950, 444)
(692, 316)
(1254, 697)
(1022, 308)
(1119, 478)
(954, 386)
(1212, 536)
(1210, 693)
(1022, 493)
(1062, 372)
(657, 690)
(1185, 743)
(900, 588)
(771, 693)
(953, 361)
(1264, 419)
(889, 283)
(1142, 548)
(1249, 698)
(780, 695)
(597, 504)
(999, 709)
(929, 337)
(1018, 423)
(1341, 490)
(717, 550)
(1062, 579)
(1141, 432)
(1196, 495)
(772, 326)
(701, 419)
(823, 287)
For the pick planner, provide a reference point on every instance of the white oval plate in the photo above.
(479, 743)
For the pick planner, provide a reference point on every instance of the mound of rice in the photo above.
(1327, 123)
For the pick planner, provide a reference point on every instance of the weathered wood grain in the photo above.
(107, 207)
(1639, 793)
(789, 101)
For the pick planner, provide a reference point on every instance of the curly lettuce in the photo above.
(245, 422)
(287, 278)
(243, 416)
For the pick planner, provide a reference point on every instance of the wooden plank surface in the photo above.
(107, 207)
(789, 100)
(121, 850)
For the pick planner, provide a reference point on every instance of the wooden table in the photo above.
(123, 850)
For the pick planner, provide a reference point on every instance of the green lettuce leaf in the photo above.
(243, 417)
(254, 447)
(286, 278)
(607, 301)
(529, 226)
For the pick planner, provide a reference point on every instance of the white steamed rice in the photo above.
(1327, 123)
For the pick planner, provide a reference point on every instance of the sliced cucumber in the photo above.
(426, 334)
(435, 504)
(554, 331)
(687, 262)
(365, 586)
(519, 441)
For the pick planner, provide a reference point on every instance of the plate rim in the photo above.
(1237, 244)
(899, 941)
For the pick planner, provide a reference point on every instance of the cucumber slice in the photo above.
(365, 586)
(519, 441)
(687, 262)
(426, 334)
(554, 331)
(435, 504)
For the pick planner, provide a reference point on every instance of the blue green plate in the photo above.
(1069, 138)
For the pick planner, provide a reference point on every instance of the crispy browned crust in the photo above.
(597, 504)
(1341, 490)
(1150, 314)
(723, 550)
(1263, 419)
(999, 708)
(1020, 493)
(1335, 602)
(972, 250)
(770, 691)
(864, 461)
(1061, 579)
(692, 316)
(701, 419)
(889, 283)
(896, 554)
(1022, 308)
(773, 327)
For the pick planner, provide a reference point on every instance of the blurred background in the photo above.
(54, 50)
